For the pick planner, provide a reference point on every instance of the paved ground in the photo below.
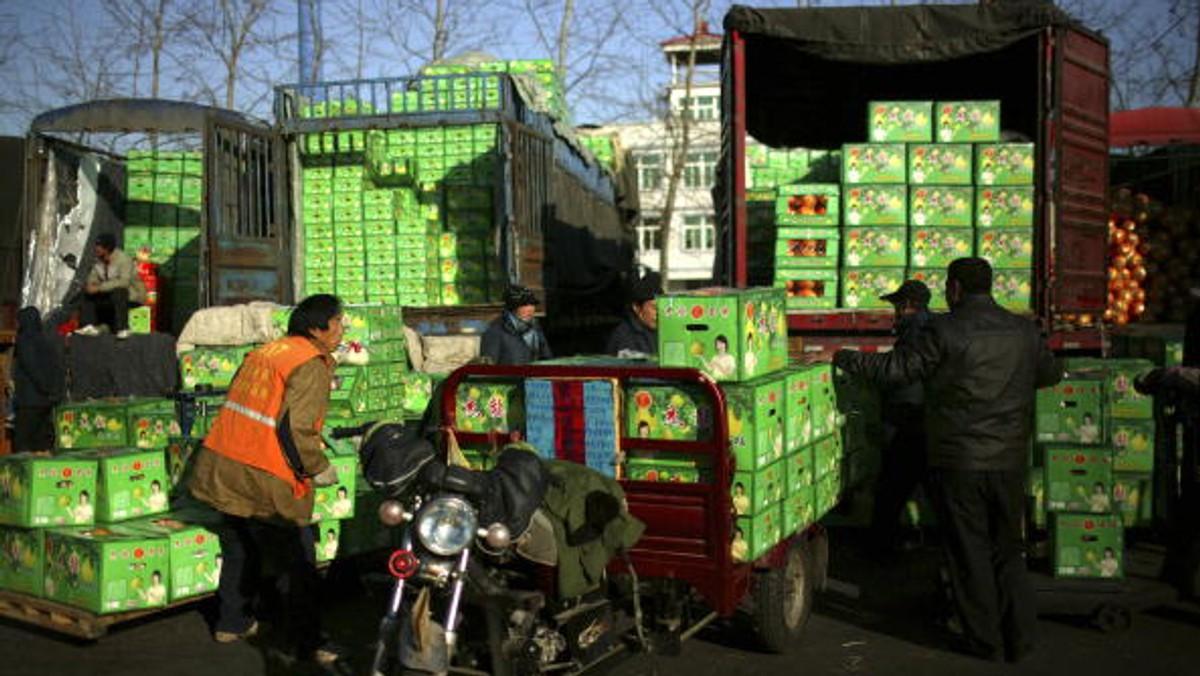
(872, 622)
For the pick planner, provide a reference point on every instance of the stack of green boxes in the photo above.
(164, 191)
(603, 147)
(335, 504)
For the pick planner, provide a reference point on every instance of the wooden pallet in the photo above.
(69, 620)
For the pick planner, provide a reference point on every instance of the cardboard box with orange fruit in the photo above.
(807, 248)
(808, 288)
(808, 204)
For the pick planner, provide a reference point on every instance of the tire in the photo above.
(1112, 619)
(783, 601)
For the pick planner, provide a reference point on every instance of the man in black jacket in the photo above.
(981, 367)
(514, 337)
(38, 380)
(637, 334)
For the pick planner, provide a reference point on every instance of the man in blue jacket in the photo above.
(514, 337)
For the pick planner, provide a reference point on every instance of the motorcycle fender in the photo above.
(430, 653)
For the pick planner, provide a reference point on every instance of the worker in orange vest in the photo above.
(258, 466)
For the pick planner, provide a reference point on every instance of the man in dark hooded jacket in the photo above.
(637, 334)
(514, 336)
(39, 381)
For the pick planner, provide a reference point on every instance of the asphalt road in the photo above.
(873, 620)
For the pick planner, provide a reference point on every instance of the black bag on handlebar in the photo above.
(392, 456)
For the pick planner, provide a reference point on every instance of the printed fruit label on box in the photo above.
(1133, 445)
(151, 423)
(807, 247)
(822, 399)
(941, 164)
(730, 335)
(106, 569)
(799, 510)
(828, 490)
(758, 490)
(665, 466)
(131, 483)
(91, 425)
(808, 204)
(1071, 411)
(755, 535)
(327, 539)
(827, 455)
(900, 120)
(935, 279)
(876, 205)
(1087, 545)
(941, 206)
(862, 287)
(874, 163)
(967, 121)
(1078, 479)
(337, 501)
(808, 288)
(667, 412)
(1009, 248)
(1132, 498)
(799, 470)
(211, 366)
(874, 247)
(194, 554)
(797, 410)
(1004, 164)
(486, 406)
(755, 413)
(22, 557)
(937, 247)
(1012, 289)
(41, 491)
(1002, 207)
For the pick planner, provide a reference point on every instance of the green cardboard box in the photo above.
(485, 406)
(22, 559)
(337, 501)
(668, 412)
(966, 121)
(941, 164)
(327, 539)
(808, 204)
(1078, 478)
(826, 494)
(755, 412)
(874, 247)
(179, 454)
(1132, 495)
(1071, 411)
(194, 553)
(807, 248)
(1004, 206)
(731, 335)
(91, 424)
(827, 455)
(941, 205)
(799, 470)
(900, 121)
(755, 535)
(40, 490)
(1133, 444)
(151, 422)
(797, 410)
(131, 483)
(1087, 545)
(760, 489)
(139, 320)
(665, 466)
(799, 510)
(935, 279)
(874, 163)
(875, 205)
(862, 287)
(106, 569)
(1012, 289)
(1123, 400)
(1004, 164)
(822, 400)
(1008, 248)
(211, 367)
(936, 247)
(1036, 493)
(808, 288)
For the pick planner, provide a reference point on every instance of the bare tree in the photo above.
(143, 28)
(230, 31)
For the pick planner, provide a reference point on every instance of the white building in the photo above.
(652, 144)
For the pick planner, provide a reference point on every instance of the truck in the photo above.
(802, 78)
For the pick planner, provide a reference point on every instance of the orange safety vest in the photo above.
(245, 428)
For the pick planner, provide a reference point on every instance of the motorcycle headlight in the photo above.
(446, 525)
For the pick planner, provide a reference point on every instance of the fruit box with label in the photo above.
(41, 490)
(130, 483)
(211, 366)
(1005, 248)
(91, 424)
(808, 204)
(667, 412)
(1087, 545)
(1124, 401)
(827, 491)
(807, 247)
(337, 501)
(937, 247)
(799, 510)
(731, 335)
(797, 410)
(822, 400)
(755, 535)
(151, 422)
(941, 164)
(327, 540)
(1004, 206)
(1133, 498)
(941, 205)
(1036, 495)
(827, 455)
(808, 288)
(483, 406)
(799, 469)
(1071, 411)
(875, 205)
(756, 411)
(194, 554)
(935, 279)
(1078, 478)
(1133, 445)
(1012, 289)
(874, 163)
(874, 247)
(900, 121)
(665, 466)
(757, 490)
(1004, 164)
(106, 569)
(862, 287)
(962, 121)
(22, 558)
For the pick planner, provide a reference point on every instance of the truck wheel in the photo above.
(783, 600)
(1112, 619)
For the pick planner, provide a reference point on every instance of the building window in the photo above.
(699, 233)
(700, 170)
(699, 107)
(649, 234)
(650, 171)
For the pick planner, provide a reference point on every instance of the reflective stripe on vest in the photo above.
(245, 428)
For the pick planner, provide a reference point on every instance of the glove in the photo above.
(844, 359)
(326, 477)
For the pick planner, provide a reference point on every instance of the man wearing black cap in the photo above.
(903, 461)
(637, 334)
(514, 337)
(981, 367)
(113, 286)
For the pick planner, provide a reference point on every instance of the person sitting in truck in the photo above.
(636, 337)
(514, 337)
(113, 286)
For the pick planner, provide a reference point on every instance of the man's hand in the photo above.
(844, 359)
(92, 289)
(326, 477)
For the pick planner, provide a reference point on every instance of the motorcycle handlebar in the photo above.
(348, 432)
